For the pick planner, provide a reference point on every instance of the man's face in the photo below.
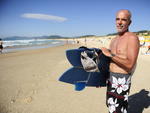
(122, 21)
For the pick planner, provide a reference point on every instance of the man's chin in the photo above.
(120, 32)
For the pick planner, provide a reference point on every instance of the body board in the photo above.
(74, 57)
(79, 75)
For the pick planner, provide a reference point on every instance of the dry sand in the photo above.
(29, 84)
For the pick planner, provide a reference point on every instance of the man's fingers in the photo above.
(102, 48)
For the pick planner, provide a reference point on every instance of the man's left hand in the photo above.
(106, 51)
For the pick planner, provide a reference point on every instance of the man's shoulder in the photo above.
(132, 36)
(114, 39)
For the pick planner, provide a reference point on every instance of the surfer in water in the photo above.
(123, 51)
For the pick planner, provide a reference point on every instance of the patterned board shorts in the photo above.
(118, 88)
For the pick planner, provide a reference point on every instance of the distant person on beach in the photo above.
(123, 51)
(1, 45)
(148, 50)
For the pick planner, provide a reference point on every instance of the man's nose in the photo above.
(119, 22)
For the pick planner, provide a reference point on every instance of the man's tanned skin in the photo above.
(125, 45)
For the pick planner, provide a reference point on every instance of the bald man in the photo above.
(123, 51)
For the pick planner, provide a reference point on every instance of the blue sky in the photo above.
(68, 17)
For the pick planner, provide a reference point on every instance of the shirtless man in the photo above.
(123, 51)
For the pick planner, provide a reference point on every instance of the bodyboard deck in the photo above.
(77, 75)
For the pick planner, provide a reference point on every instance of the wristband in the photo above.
(112, 55)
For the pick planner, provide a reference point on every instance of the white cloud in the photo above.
(44, 17)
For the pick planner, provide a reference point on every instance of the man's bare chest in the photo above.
(119, 46)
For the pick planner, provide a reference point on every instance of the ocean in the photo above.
(24, 44)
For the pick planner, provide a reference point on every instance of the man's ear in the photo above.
(130, 22)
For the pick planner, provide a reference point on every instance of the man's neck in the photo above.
(122, 33)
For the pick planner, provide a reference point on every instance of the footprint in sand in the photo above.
(27, 100)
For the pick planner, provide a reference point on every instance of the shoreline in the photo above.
(30, 47)
(18, 45)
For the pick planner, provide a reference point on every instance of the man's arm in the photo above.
(132, 53)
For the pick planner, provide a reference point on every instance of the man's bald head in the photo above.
(126, 12)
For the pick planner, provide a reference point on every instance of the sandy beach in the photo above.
(29, 84)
